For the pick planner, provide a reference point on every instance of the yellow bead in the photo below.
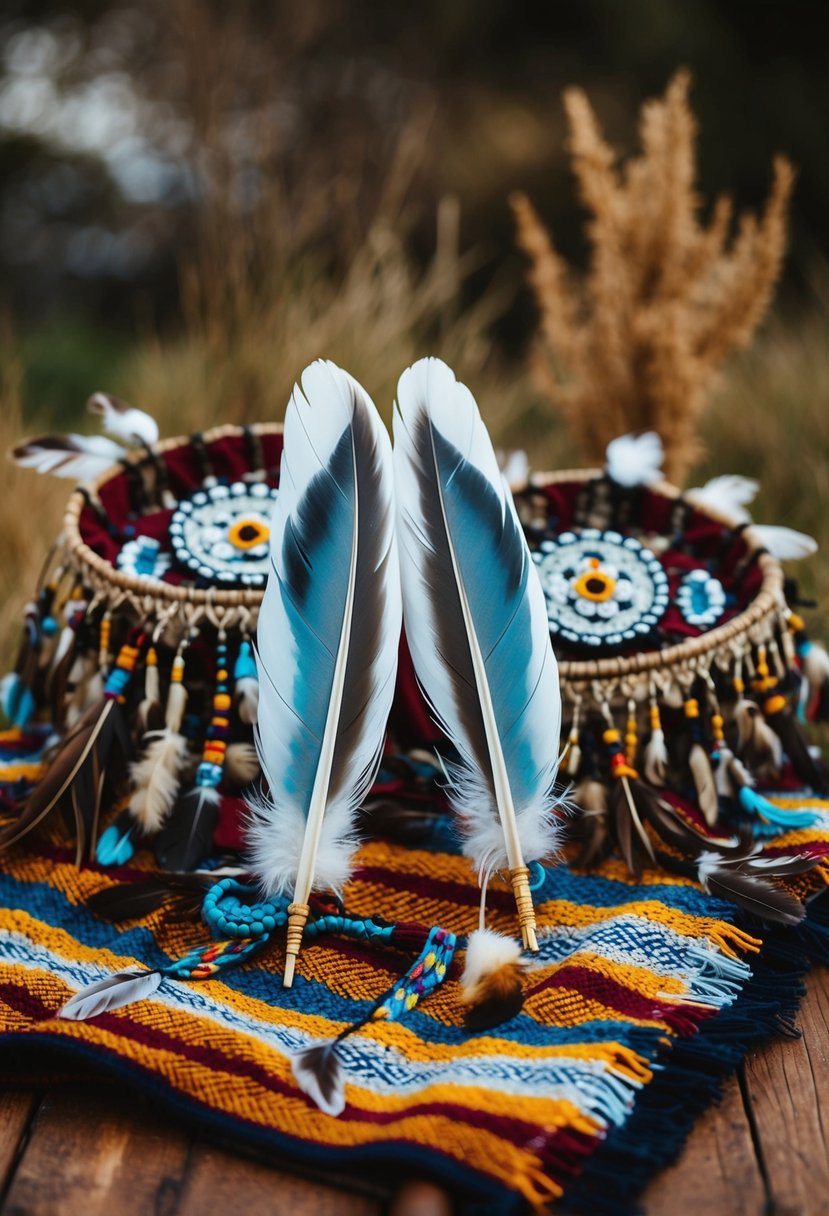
(221, 701)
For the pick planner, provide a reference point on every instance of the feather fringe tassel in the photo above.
(491, 983)
(317, 1069)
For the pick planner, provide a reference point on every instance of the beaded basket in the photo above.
(741, 604)
(678, 656)
(677, 650)
(154, 583)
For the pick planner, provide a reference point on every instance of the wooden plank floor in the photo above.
(95, 1151)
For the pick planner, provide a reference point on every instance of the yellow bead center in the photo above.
(246, 533)
(594, 584)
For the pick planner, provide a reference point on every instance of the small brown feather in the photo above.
(762, 899)
(496, 998)
(76, 777)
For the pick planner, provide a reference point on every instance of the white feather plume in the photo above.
(475, 620)
(487, 951)
(729, 494)
(116, 990)
(784, 543)
(635, 460)
(123, 420)
(79, 457)
(328, 634)
(156, 777)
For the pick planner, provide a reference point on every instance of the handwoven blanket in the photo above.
(642, 996)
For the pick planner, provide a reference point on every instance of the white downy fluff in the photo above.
(123, 420)
(784, 543)
(635, 460)
(487, 951)
(729, 494)
(246, 691)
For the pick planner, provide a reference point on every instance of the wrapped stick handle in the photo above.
(520, 879)
(297, 916)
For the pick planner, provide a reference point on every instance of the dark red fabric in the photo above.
(106, 532)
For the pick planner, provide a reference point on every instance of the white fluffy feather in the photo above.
(156, 777)
(123, 420)
(116, 990)
(79, 457)
(784, 543)
(486, 951)
(729, 494)
(328, 634)
(635, 460)
(656, 758)
(317, 1072)
(475, 620)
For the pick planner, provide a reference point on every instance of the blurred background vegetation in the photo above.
(198, 198)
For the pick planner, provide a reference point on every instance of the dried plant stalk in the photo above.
(637, 343)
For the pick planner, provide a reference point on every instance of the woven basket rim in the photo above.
(145, 585)
(768, 602)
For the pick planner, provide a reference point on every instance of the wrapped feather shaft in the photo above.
(476, 627)
(327, 640)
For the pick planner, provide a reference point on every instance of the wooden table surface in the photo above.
(99, 1151)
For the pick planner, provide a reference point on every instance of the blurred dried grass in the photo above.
(32, 512)
(769, 419)
(667, 298)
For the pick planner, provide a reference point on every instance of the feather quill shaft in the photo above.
(327, 640)
(477, 626)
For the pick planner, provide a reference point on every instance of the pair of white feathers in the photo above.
(330, 621)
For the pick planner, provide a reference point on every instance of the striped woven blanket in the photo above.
(642, 994)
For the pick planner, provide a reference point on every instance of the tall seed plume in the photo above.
(635, 344)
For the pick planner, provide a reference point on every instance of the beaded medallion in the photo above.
(221, 533)
(601, 588)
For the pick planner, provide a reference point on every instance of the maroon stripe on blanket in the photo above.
(515, 1130)
(593, 986)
